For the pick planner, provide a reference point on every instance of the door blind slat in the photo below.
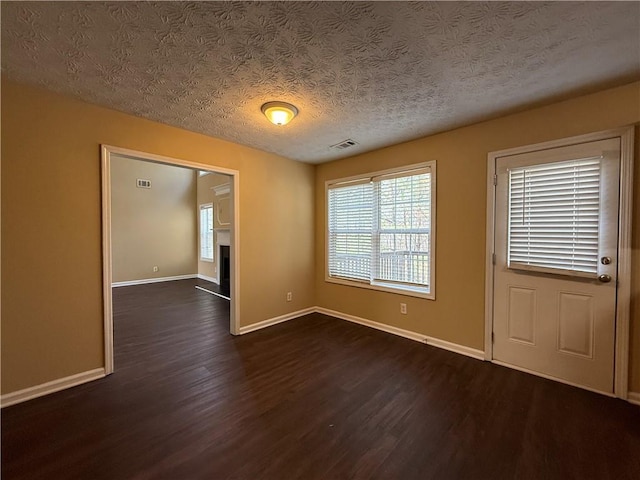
(554, 216)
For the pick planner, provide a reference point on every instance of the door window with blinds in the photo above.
(381, 230)
(554, 217)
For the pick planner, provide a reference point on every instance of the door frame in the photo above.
(107, 274)
(623, 288)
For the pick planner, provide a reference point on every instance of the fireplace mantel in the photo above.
(223, 236)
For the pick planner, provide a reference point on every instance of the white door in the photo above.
(555, 265)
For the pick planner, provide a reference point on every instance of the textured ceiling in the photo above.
(376, 72)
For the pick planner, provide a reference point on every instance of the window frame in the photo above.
(205, 206)
(388, 286)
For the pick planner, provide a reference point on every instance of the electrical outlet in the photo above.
(155, 268)
(403, 308)
(289, 296)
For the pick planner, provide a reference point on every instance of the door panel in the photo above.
(556, 218)
(522, 314)
(575, 324)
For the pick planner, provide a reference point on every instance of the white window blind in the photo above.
(379, 230)
(206, 232)
(403, 228)
(350, 225)
(554, 217)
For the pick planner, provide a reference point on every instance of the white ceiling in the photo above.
(376, 72)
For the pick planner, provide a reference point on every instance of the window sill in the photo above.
(385, 287)
(208, 260)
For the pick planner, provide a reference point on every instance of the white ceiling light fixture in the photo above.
(279, 113)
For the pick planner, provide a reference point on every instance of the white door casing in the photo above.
(563, 325)
(234, 240)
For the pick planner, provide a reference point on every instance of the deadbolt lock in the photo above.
(605, 260)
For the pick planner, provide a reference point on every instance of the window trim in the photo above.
(390, 287)
(204, 206)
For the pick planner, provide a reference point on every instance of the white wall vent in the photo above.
(345, 144)
(141, 183)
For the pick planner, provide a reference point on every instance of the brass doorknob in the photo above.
(604, 278)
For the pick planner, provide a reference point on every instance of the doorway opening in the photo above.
(205, 231)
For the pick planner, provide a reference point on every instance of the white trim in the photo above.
(106, 152)
(275, 320)
(623, 289)
(51, 387)
(456, 348)
(208, 279)
(198, 287)
(107, 274)
(633, 397)
(153, 280)
(550, 377)
(221, 189)
(151, 157)
(400, 289)
(490, 252)
(417, 337)
(623, 302)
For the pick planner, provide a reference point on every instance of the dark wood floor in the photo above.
(313, 398)
(213, 287)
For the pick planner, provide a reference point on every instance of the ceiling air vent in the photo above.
(345, 144)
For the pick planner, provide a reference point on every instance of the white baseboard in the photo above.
(275, 320)
(456, 348)
(370, 323)
(633, 397)
(418, 337)
(154, 280)
(50, 387)
(211, 292)
(208, 279)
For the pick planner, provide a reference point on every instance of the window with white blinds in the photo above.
(554, 215)
(206, 232)
(350, 226)
(380, 231)
(402, 233)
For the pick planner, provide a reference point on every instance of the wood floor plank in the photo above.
(312, 398)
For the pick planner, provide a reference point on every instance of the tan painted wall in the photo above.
(51, 258)
(207, 195)
(457, 314)
(48, 139)
(154, 226)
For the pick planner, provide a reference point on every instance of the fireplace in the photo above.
(225, 270)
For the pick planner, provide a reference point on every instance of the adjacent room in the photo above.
(169, 223)
(169, 230)
(320, 240)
